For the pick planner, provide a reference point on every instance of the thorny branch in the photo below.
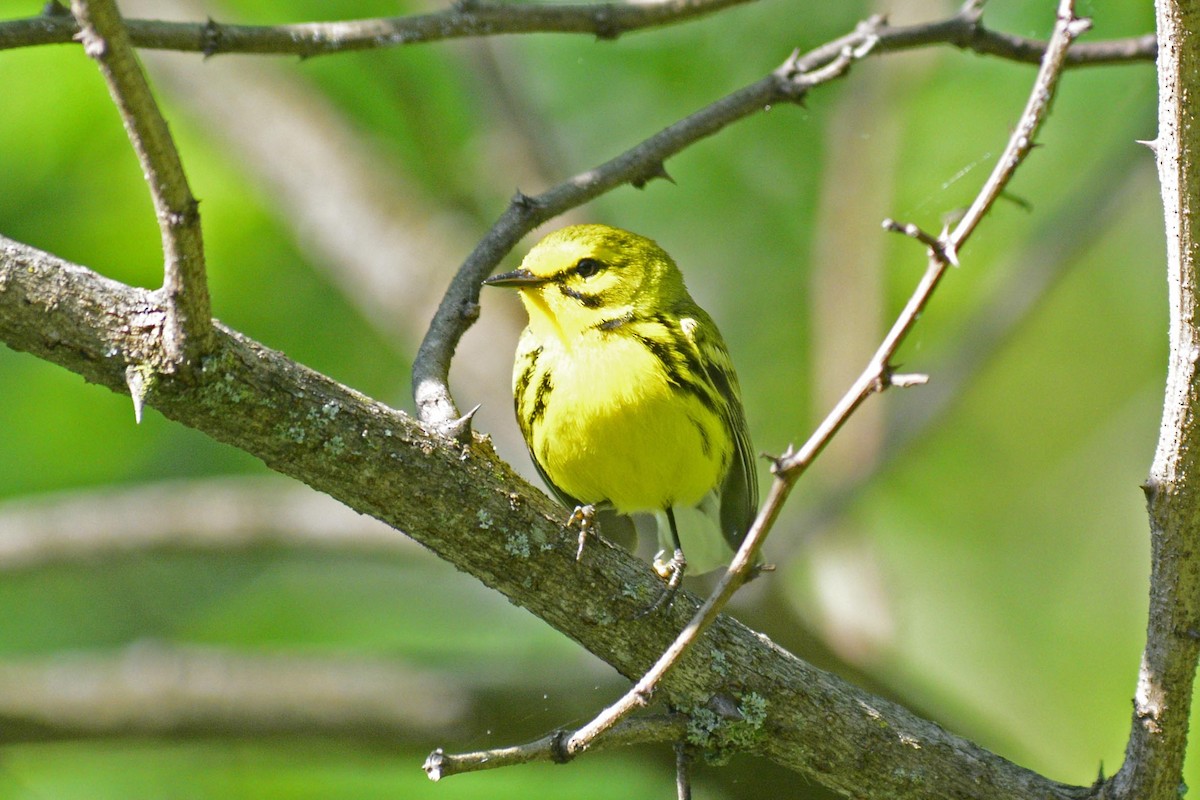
(470, 19)
(1154, 755)
(878, 376)
(187, 329)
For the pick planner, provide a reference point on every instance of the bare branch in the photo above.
(1039, 265)
(464, 19)
(187, 329)
(460, 305)
(1153, 768)
(602, 20)
(469, 507)
(642, 730)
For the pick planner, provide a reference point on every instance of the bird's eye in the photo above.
(587, 267)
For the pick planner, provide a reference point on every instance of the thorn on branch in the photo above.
(656, 170)
(55, 9)
(1078, 27)
(135, 379)
(1017, 200)
(460, 429)
(523, 202)
(907, 379)
(606, 27)
(210, 38)
(1151, 144)
(779, 463)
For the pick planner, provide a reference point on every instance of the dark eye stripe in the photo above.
(587, 300)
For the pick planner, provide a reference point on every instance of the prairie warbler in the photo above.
(627, 397)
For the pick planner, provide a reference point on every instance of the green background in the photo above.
(976, 548)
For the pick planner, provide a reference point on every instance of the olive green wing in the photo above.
(739, 490)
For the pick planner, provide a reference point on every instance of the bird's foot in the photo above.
(585, 518)
(670, 571)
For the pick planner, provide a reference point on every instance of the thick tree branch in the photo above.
(602, 20)
(187, 328)
(1153, 768)
(462, 502)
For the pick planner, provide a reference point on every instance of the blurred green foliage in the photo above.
(992, 574)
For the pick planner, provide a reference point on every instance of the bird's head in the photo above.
(581, 276)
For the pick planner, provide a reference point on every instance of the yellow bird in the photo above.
(627, 397)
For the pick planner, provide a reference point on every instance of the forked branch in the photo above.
(187, 332)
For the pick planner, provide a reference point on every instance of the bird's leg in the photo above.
(585, 518)
(670, 571)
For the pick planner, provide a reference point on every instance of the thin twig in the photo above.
(460, 305)
(683, 771)
(470, 19)
(1044, 261)
(875, 378)
(187, 333)
(642, 730)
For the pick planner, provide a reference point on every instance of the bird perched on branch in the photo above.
(627, 398)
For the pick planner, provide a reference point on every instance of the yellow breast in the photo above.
(606, 424)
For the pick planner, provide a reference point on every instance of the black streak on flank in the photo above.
(705, 443)
(675, 376)
(531, 359)
(539, 399)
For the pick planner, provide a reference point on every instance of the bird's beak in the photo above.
(518, 279)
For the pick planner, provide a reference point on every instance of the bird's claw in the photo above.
(670, 571)
(585, 518)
